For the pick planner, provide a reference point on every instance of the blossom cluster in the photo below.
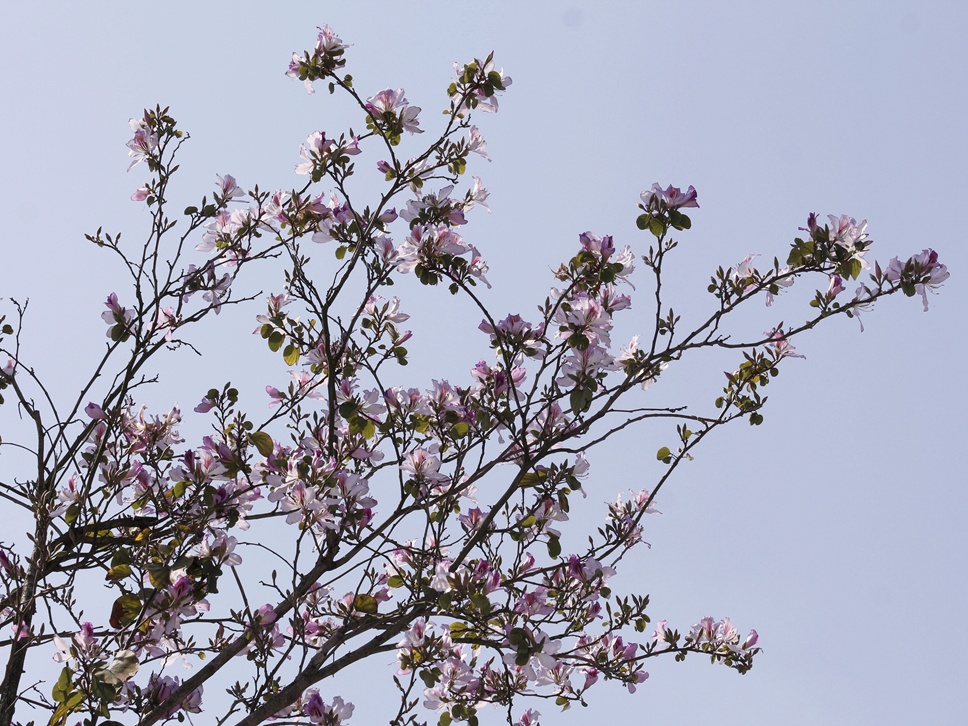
(433, 520)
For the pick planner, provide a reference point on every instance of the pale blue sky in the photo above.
(837, 529)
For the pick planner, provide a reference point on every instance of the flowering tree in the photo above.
(377, 518)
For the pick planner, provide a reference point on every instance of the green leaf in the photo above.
(276, 340)
(481, 603)
(291, 355)
(530, 479)
(117, 573)
(517, 636)
(125, 611)
(159, 577)
(395, 581)
(124, 666)
(581, 400)
(663, 453)
(855, 268)
(554, 547)
(348, 409)
(365, 604)
(70, 516)
(262, 441)
(63, 686)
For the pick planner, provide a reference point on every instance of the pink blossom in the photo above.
(326, 57)
(327, 42)
(206, 405)
(220, 548)
(835, 287)
(167, 320)
(863, 302)
(476, 143)
(472, 520)
(638, 676)
(425, 245)
(7, 565)
(422, 465)
(851, 235)
(529, 718)
(477, 194)
(487, 104)
(441, 579)
(119, 319)
(659, 199)
(228, 188)
(781, 347)
(751, 640)
(330, 715)
(389, 312)
(95, 411)
(83, 645)
(782, 280)
(315, 153)
(601, 247)
(847, 231)
(389, 106)
(144, 144)
(919, 274)
(745, 274)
